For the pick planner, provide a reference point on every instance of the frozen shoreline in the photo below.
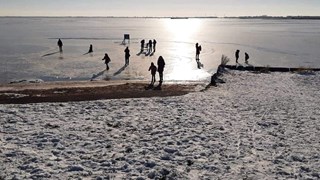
(260, 126)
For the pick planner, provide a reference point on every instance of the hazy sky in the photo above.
(158, 7)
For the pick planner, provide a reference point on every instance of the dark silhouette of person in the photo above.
(60, 44)
(90, 49)
(246, 57)
(154, 45)
(150, 46)
(127, 56)
(153, 70)
(237, 55)
(198, 49)
(142, 44)
(161, 65)
(106, 59)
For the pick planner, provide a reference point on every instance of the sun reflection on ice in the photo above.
(183, 33)
(183, 29)
(186, 72)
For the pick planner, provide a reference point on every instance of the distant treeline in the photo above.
(277, 17)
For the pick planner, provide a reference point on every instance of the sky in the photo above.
(159, 8)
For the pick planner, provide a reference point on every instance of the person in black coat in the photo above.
(142, 45)
(90, 49)
(150, 46)
(237, 55)
(60, 44)
(154, 45)
(153, 70)
(246, 57)
(198, 49)
(161, 65)
(106, 59)
(127, 56)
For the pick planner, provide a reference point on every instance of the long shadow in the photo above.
(141, 52)
(86, 53)
(148, 53)
(199, 64)
(238, 64)
(120, 70)
(248, 64)
(50, 54)
(97, 75)
(150, 86)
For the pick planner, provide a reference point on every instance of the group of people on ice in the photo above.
(246, 56)
(237, 55)
(151, 48)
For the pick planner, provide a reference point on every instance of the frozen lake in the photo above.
(24, 41)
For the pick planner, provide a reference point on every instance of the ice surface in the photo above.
(24, 42)
(256, 126)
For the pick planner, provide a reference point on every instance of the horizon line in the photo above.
(244, 16)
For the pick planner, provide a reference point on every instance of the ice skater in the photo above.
(127, 56)
(161, 65)
(237, 55)
(198, 50)
(246, 57)
(153, 70)
(106, 59)
(60, 44)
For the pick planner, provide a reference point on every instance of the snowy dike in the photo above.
(255, 126)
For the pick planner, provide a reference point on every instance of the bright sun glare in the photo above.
(183, 34)
(183, 29)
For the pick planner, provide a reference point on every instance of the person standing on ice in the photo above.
(154, 45)
(198, 49)
(106, 59)
(142, 45)
(161, 65)
(153, 70)
(90, 49)
(237, 55)
(60, 44)
(246, 57)
(127, 56)
(150, 46)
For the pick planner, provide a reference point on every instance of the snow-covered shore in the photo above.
(256, 126)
